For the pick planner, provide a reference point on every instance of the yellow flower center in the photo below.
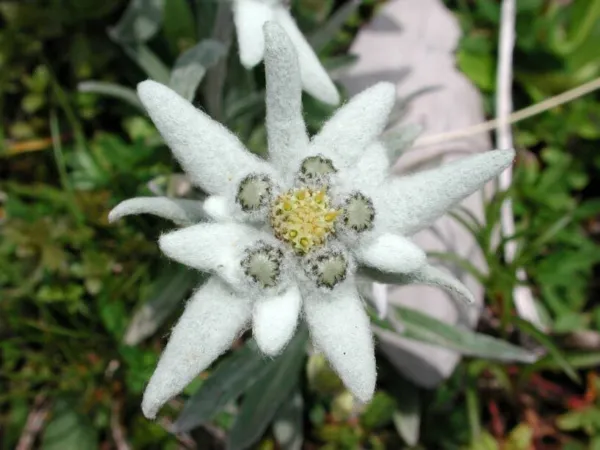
(303, 218)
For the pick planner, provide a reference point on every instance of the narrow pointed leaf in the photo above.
(407, 418)
(169, 293)
(139, 23)
(192, 65)
(264, 398)
(424, 328)
(152, 66)
(226, 383)
(288, 426)
(126, 94)
(334, 25)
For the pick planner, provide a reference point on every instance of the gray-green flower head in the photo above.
(285, 237)
(250, 16)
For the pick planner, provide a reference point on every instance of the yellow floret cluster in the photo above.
(303, 218)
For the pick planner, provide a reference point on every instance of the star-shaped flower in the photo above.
(288, 235)
(250, 16)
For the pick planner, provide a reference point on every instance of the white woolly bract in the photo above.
(315, 79)
(356, 125)
(409, 204)
(249, 17)
(210, 154)
(179, 211)
(218, 248)
(286, 131)
(340, 328)
(212, 319)
(391, 253)
(274, 320)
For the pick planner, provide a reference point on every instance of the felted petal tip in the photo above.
(391, 253)
(274, 320)
(411, 203)
(249, 17)
(315, 79)
(340, 328)
(212, 319)
(179, 211)
(286, 131)
(356, 125)
(216, 248)
(211, 155)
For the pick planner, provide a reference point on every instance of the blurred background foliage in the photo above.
(74, 142)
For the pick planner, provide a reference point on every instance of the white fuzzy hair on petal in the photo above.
(340, 328)
(212, 319)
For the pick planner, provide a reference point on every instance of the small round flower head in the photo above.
(254, 192)
(316, 170)
(359, 213)
(262, 264)
(327, 267)
(303, 218)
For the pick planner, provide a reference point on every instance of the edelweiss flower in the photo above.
(288, 235)
(250, 16)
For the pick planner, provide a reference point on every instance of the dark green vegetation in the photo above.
(70, 284)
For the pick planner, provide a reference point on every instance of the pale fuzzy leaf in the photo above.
(192, 65)
(139, 23)
(169, 292)
(421, 327)
(148, 61)
(126, 94)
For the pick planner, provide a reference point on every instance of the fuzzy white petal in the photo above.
(249, 17)
(179, 211)
(286, 130)
(356, 125)
(274, 320)
(340, 328)
(371, 169)
(210, 154)
(211, 247)
(409, 204)
(217, 207)
(315, 79)
(391, 253)
(212, 319)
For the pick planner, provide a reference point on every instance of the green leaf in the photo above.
(264, 398)
(148, 62)
(168, 293)
(379, 411)
(546, 341)
(192, 65)
(479, 67)
(68, 430)
(424, 328)
(229, 380)
(179, 27)
(288, 427)
(139, 23)
(407, 417)
(123, 93)
(333, 26)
